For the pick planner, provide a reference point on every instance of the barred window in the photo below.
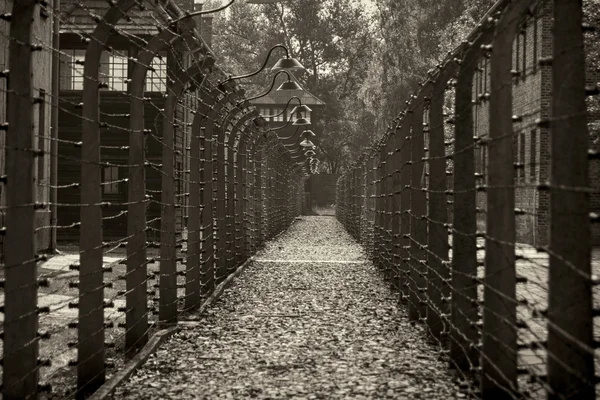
(521, 174)
(524, 61)
(116, 75)
(517, 54)
(533, 156)
(534, 60)
(279, 118)
(71, 69)
(156, 78)
(111, 180)
(113, 69)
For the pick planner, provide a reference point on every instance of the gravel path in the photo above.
(310, 318)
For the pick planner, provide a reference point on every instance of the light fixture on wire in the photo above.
(288, 85)
(286, 63)
(301, 122)
(308, 133)
(306, 143)
(302, 109)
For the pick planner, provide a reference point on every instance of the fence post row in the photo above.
(176, 83)
(249, 214)
(381, 202)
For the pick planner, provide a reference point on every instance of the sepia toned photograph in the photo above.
(300, 199)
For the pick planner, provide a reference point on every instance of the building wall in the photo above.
(113, 106)
(532, 95)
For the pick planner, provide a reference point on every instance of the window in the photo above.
(480, 77)
(535, 44)
(484, 161)
(116, 71)
(518, 53)
(279, 118)
(533, 156)
(485, 75)
(521, 157)
(156, 78)
(524, 34)
(71, 69)
(111, 180)
(265, 112)
(113, 70)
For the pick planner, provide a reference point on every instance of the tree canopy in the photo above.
(363, 63)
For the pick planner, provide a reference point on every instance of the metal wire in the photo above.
(164, 186)
(479, 214)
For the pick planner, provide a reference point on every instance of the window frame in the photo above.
(115, 181)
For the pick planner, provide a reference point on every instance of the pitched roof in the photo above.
(282, 97)
(78, 16)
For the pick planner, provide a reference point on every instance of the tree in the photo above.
(363, 66)
(413, 36)
(331, 38)
(591, 9)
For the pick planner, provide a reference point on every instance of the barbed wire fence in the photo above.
(478, 205)
(167, 181)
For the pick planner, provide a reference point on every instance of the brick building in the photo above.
(532, 90)
(115, 70)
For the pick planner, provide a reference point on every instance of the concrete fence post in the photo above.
(20, 368)
(570, 317)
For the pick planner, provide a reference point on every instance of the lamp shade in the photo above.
(287, 63)
(263, 1)
(310, 153)
(307, 143)
(289, 85)
(301, 109)
(300, 122)
(308, 133)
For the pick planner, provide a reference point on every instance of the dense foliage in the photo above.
(363, 58)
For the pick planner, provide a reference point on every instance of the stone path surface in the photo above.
(311, 318)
